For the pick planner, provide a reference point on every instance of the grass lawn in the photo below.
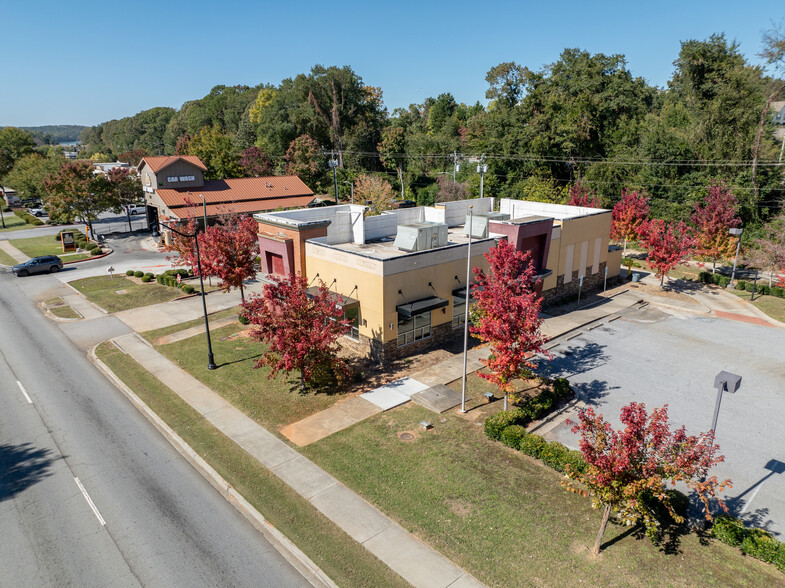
(64, 311)
(771, 305)
(342, 559)
(157, 333)
(6, 259)
(35, 246)
(14, 223)
(103, 291)
(503, 516)
(272, 403)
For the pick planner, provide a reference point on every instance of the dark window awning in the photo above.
(410, 309)
(342, 301)
(461, 292)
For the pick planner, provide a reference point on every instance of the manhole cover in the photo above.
(121, 291)
(406, 437)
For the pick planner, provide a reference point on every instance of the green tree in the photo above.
(218, 153)
(14, 144)
(304, 159)
(391, 151)
(124, 188)
(75, 192)
(28, 175)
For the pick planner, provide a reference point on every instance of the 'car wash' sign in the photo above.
(173, 179)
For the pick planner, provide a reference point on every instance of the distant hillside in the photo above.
(53, 134)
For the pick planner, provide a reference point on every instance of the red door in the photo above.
(276, 263)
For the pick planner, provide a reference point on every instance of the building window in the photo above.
(414, 328)
(458, 311)
(353, 316)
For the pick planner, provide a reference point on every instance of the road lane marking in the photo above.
(754, 494)
(22, 388)
(90, 502)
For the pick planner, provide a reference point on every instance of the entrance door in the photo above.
(276, 263)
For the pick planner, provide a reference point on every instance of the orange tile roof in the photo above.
(159, 162)
(246, 207)
(237, 190)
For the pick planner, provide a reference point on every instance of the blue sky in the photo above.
(84, 63)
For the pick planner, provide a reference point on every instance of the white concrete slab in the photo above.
(395, 393)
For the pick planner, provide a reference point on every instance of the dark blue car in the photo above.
(38, 265)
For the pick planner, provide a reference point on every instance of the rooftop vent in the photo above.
(479, 225)
(421, 236)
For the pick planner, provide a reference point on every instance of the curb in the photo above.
(299, 560)
(91, 258)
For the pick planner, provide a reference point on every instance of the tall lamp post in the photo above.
(735, 259)
(351, 185)
(466, 310)
(723, 382)
(210, 360)
(333, 164)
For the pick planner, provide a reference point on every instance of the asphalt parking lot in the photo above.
(654, 357)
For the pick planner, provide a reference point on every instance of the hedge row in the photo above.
(532, 408)
(756, 543)
(723, 281)
(27, 217)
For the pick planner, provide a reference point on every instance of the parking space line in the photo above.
(22, 388)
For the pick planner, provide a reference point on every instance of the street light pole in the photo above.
(466, 310)
(210, 360)
(482, 169)
(333, 163)
(736, 259)
(351, 185)
(723, 382)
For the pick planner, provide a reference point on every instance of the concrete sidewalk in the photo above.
(13, 251)
(413, 560)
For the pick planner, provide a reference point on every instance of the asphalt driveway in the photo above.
(654, 357)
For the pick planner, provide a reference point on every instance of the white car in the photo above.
(136, 208)
(38, 212)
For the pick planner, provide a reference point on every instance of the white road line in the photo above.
(90, 502)
(22, 388)
(754, 494)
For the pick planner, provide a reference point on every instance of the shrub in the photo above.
(188, 289)
(138, 274)
(511, 436)
(243, 320)
(146, 279)
(729, 530)
(561, 387)
(779, 559)
(723, 281)
(96, 251)
(532, 445)
(760, 545)
(150, 275)
(778, 292)
(129, 273)
(741, 285)
(553, 455)
(496, 423)
(575, 461)
(763, 289)
(748, 287)
(705, 277)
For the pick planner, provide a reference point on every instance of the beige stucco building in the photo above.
(401, 275)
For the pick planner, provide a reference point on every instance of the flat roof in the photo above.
(384, 248)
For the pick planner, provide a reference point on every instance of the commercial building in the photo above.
(174, 186)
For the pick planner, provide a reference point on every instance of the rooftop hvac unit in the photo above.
(479, 224)
(421, 236)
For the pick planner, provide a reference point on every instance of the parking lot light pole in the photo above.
(723, 382)
(210, 360)
(736, 259)
(466, 310)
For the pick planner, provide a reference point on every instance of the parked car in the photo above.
(136, 208)
(38, 265)
(38, 212)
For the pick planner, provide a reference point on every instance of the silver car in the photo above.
(38, 265)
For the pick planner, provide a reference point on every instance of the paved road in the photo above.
(656, 358)
(164, 524)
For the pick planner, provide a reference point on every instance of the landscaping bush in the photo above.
(760, 545)
(532, 445)
(763, 289)
(575, 460)
(553, 455)
(496, 423)
(723, 281)
(183, 273)
(188, 289)
(146, 279)
(511, 436)
(138, 274)
(729, 530)
(150, 275)
(778, 292)
(748, 286)
(129, 273)
(705, 277)
(779, 559)
(741, 285)
(561, 387)
(96, 251)
(243, 320)
(27, 217)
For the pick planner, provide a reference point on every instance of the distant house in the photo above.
(10, 196)
(778, 108)
(175, 187)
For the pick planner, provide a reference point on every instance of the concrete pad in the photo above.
(266, 448)
(350, 512)
(305, 477)
(394, 393)
(302, 436)
(467, 581)
(438, 398)
(230, 421)
(87, 333)
(82, 306)
(327, 422)
(358, 408)
(400, 550)
(203, 400)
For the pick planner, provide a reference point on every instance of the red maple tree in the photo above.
(667, 245)
(229, 250)
(507, 309)
(580, 195)
(301, 333)
(628, 470)
(628, 216)
(712, 218)
(184, 248)
(255, 163)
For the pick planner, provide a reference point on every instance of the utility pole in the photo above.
(333, 163)
(482, 169)
(351, 185)
(455, 166)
